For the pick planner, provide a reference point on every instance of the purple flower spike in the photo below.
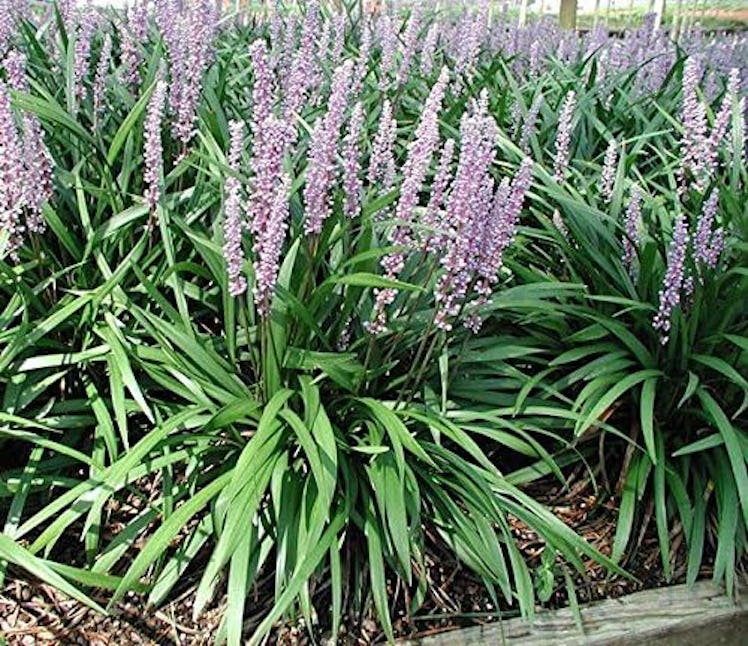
(693, 115)
(36, 158)
(436, 239)
(12, 176)
(496, 235)
(420, 153)
(338, 38)
(102, 71)
(708, 242)
(87, 24)
(267, 162)
(382, 161)
(233, 251)
(509, 215)
(528, 127)
(15, 68)
(673, 282)
(563, 136)
(363, 61)
(428, 50)
(153, 147)
(631, 229)
(468, 207)
(10, 11)
(133, 35)
(189, 40)
(388, 39)
(721, 124)
(38, 173)
(302, 71)
(263, 91)
(409, 44)
(322, 150)
(608, 176)
(269, 246)
(352, 183)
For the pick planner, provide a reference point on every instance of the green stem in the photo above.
(399, 335)
(419, 374)
(416, 359)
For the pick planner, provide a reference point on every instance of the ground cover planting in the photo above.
(298, 306)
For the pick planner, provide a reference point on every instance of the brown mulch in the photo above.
(34, 614)
(738, 15)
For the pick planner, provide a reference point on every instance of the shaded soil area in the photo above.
(33, 614)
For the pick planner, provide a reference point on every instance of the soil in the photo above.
(34, 614)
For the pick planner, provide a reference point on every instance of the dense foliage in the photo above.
(333, 288)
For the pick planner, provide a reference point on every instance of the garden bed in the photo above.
(457, 609)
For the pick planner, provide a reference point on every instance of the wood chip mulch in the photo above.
(34, 614)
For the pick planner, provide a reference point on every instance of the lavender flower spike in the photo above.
(153, 147)
(721, 123)
(498, 232)
(362, 62)
(382, 161)
(37, 161)
(322, 150)
(673, 282)
(420, 152)
(563, 136)
(133, 34)
(38, 164)
(693, 115)
(408, 46)
(267, 261)
(303, 68)
(83, 37)
(232, 224)
(102, 70)
(631, 228)
(352, 162)
(608, 176)
(428, 50)
(190, 44)
(707, 242)
(12, 175)
(267, 162)
(262, 92)
(506, 224)
(469, 206)
(388, 38)
(528, 127)
(15, 69)
(434, 219)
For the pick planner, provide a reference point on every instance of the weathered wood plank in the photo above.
(675, 616)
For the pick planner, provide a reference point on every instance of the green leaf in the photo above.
(303, 571)
(649, 390)
(612, 395)
(363, 279)
(721, 366)
(660, 498)
(127, 125)
(372, 530)
(22, 558)
(162, 537)
(735, 452)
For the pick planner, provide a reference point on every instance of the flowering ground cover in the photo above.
(298, 307)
